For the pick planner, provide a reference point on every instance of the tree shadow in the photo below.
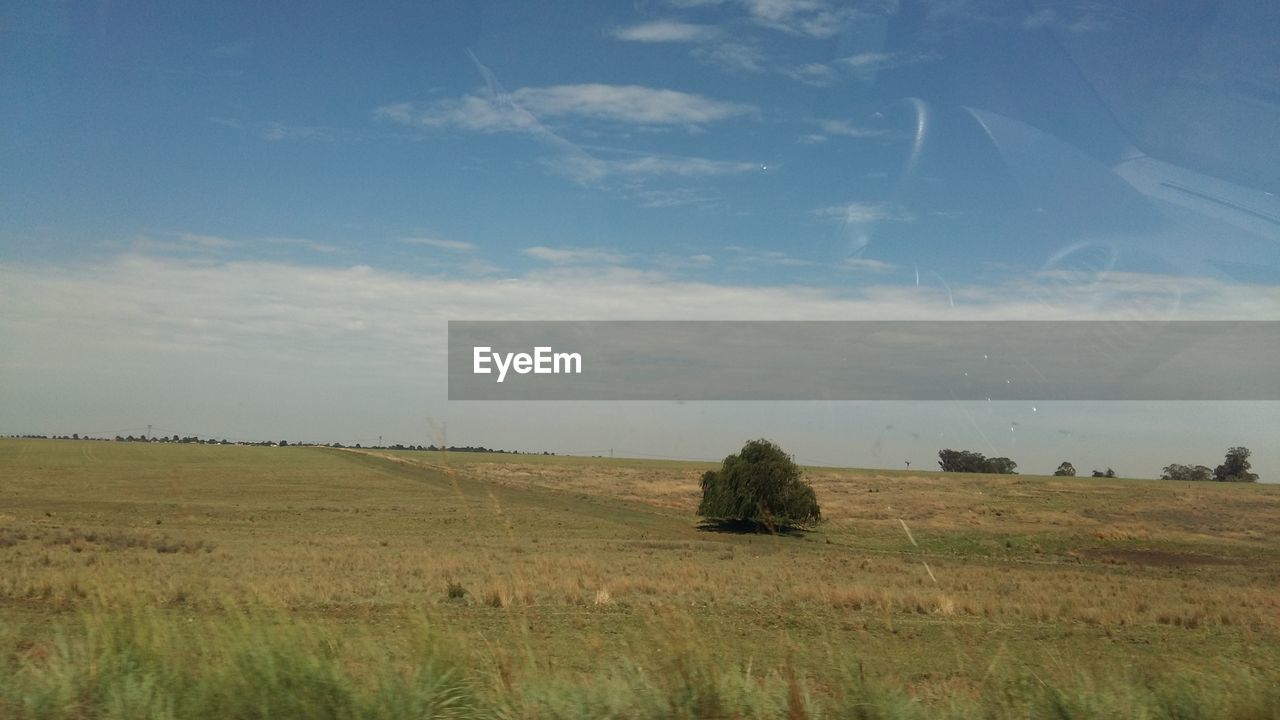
(748, 527)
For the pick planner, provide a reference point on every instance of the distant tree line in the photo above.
(967, 461)
(1066, 469)
(433, 448)
(194, 440)
(1234, 468)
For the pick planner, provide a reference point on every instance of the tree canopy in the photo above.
(967, 461)
(761, 486)
(1066, 469)
(1235, 468)
(1176, 471)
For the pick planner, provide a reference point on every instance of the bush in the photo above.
(760, 486)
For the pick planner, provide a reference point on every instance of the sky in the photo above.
(255, 222)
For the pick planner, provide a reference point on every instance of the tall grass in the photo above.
(141, 663)
(145, 664)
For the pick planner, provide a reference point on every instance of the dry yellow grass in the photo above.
(568, 561)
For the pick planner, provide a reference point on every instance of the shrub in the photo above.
(760, 486)
(455, 591)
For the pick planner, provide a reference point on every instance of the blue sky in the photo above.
(290, 201)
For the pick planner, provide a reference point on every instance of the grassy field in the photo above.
(188, 581)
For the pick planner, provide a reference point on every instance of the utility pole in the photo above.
(908, 464)
(148, 432)
(379, 441)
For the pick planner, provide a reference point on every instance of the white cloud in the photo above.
(303, 243)
(471, 113)
(859, 212)
(519, 111)
(588, 169)
(240, 349)
(864, 66)
(848, 129)
(573, 256)
(451, 245)
(665, 31)
(866, 264)
(208, 241)
(814, 18)
(187, 243)
(867, 59)
(1082, 19)
(628, 103)
(815, 74)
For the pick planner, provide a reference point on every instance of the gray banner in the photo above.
(864, 360)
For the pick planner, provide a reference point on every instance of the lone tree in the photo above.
(1066, 469)
(1236, 467)
(761, 487)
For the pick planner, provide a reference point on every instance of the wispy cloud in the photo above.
(573, 256)
(275, 131)
(866, 265)
(520, 110)
(865, 65)
(629, 103)
(734, 57)
(756, 256)
(188, 244)
(470, 113)
(815, 74)
(663, 31)
(1083, 18)
(305, 244)
(859, 212)
(283, 131)
(859, 219)
(674, 197)
(841, 128)
(847, 128)
(209, 241)
(588, 169)
(813, 18)
(183, 244)
(861, 66)
(451, 245)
